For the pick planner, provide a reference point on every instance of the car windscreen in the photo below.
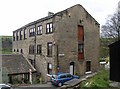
(54, 76)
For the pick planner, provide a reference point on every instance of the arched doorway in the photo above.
(72, 68)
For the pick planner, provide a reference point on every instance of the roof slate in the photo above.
(16, 64)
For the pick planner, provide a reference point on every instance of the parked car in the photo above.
(60, 78)
(4, 86)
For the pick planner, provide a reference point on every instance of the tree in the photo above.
(111, 29)
(110, 32)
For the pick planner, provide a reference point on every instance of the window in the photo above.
(49, 27)
(63, 76)
(88, 66)
(49, 49)
(21, 51)
(49, 68)
(80, 51)
(39, 30)
(17, 36)
(25, 33)
(17, 50)
(31, 32)
(80, 48)
(69, 76)
(21, 33)
(39, 49)
(31, 49)
(31, 61)
(13, 36)
(80, 33)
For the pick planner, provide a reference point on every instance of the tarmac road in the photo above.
(37, 86)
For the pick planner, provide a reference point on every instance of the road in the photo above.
(37, 86)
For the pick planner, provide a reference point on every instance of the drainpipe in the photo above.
(35, 46)
(57, 58)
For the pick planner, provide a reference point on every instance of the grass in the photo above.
(5, 52)
(100, 80)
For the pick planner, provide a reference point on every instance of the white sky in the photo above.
(17, 13)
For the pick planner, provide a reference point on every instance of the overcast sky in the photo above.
(17, 13)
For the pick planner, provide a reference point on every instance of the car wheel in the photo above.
(60, 84)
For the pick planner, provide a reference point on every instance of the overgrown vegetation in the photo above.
(100, 80)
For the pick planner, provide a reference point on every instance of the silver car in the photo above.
(4, 86)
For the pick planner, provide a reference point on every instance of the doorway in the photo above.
(72, 68)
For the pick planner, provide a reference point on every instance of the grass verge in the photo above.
(100, 80)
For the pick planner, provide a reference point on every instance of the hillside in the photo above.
(5, 44)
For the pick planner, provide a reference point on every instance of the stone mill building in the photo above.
(67, 41)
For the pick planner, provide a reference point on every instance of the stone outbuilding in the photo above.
(16, 69)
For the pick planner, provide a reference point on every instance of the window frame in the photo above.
(88, 66)
(39, 49)
(31, 49)
(32, 32)
(21, 51)
(17, 37)
(49, 28)
(49, 49)
(25, 34)
(39, 30)
(80, 51)
(14, 36)
(49, 70)
(21, 34)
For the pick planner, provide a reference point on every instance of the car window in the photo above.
(63, 76)
(69, 76)
(54, 76)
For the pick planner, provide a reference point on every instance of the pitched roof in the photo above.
(114, 44)
(16, 64)
(51, 16)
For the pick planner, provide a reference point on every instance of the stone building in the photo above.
(67, 41)
(16, 69)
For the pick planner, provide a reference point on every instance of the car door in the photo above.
(69, 77)
(63, 78)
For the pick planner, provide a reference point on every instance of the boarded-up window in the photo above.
(80, 42)
(80, 33)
